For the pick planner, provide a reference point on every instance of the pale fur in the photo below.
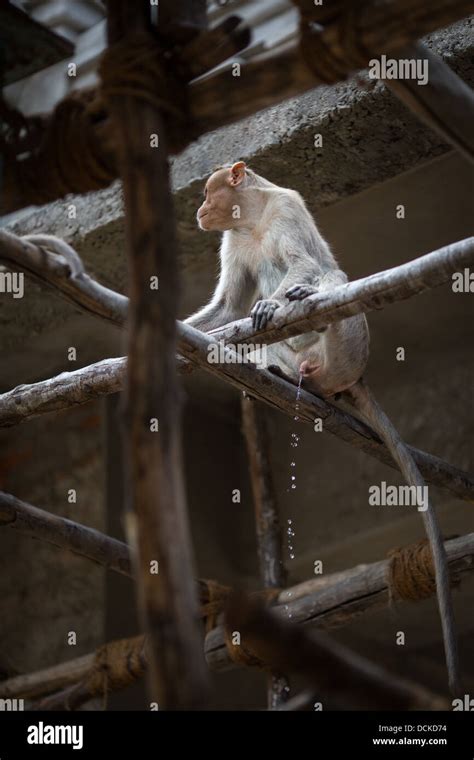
(274, 247)
(278, 247)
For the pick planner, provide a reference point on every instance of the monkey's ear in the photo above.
(237, 173)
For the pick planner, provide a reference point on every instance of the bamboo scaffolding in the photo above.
(334, 669)
(327, 602)
(169, 611)
(327, 664)
(269, 79)
(269, 537)
(74, 388)
(64, 533)
(69, 389)
(340, 598)
(363, 295)
(445, 103)
(158, 523)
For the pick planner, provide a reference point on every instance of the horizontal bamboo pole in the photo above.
(66, 276)
(74, 388)
(327, 602)
(64, 533)
(40, 682)
(337, 672)
(338, 599)
(363, 295)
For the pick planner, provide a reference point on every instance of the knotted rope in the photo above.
(70, 156)
(138, 67)
(411, 572)
(116, 665)
(77, 150)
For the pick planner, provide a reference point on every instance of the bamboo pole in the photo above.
(338, 599)
(74, 388)
(158, 526)
(445, 103)
(363, 295)
(334, 669)
(327, 602)
(351, 39)
(66, 534)
(268, 528)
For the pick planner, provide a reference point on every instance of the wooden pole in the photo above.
(158, 527)
(328, 602)
(444, 103)
(269, 537)
(73, 388)
(65, 534)
(336, 671)
(340, 598)
(363, 295)
(269, 79)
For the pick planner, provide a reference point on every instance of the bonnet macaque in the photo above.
(271, 253)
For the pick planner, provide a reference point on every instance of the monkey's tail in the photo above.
(362, 399)
(59, 247)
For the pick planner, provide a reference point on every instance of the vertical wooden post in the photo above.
(269, 538)
(158, 525)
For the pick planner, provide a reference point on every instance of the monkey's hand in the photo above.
(263, 312)
(299, 292)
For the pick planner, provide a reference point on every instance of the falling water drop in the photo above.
(294, 441)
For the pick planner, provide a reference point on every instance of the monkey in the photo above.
(271, 253)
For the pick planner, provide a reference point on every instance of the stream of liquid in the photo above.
(294, 441)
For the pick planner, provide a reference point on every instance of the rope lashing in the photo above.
(77, 150)
(213, 598)
(411, 573)
(239, 653)
(116, 665)
(69, 158)
(139, 68)
(238, 650)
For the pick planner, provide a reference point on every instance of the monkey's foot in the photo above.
(263, 312)
(299, 292)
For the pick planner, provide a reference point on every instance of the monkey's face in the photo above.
(220, 209)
